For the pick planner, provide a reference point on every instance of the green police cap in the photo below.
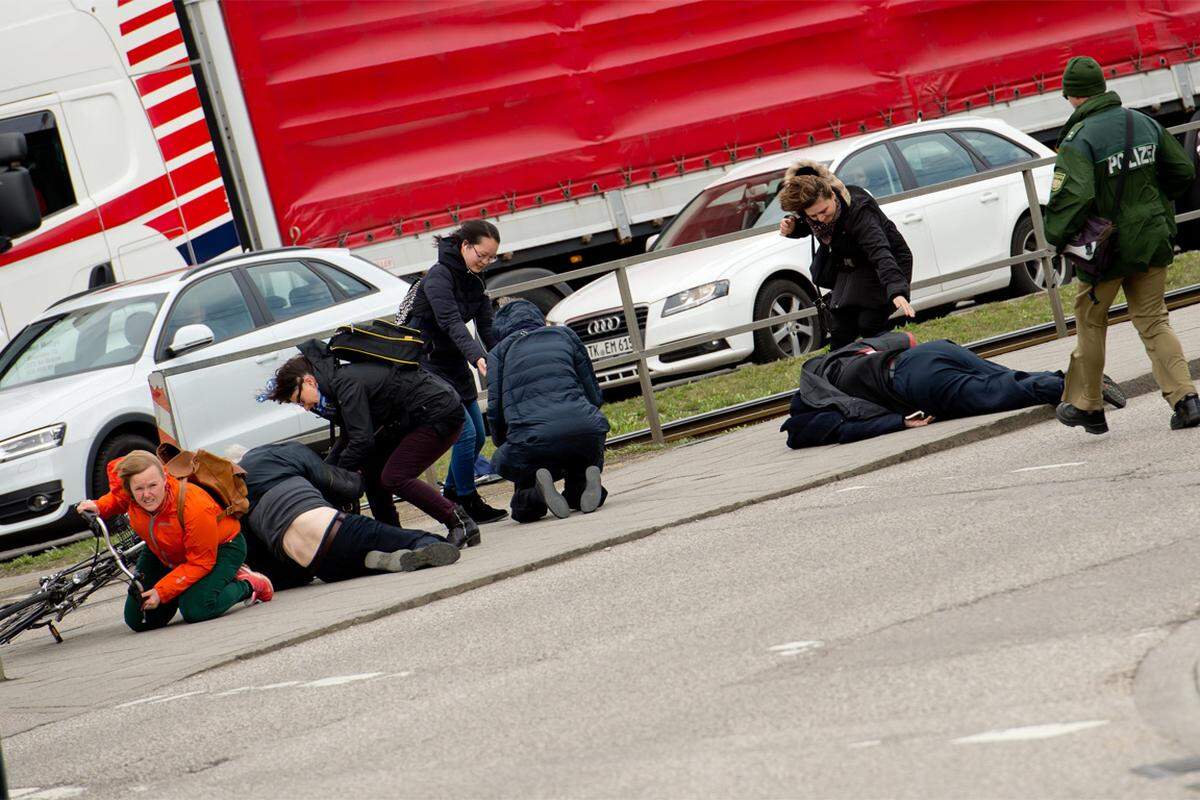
(1083, 77)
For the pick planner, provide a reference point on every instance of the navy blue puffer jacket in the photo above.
(541, 386)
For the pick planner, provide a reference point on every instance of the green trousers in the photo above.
(1148, 310)
(207, 598)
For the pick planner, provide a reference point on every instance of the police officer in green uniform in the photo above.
(1090, 159)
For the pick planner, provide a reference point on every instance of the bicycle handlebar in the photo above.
(96, 523)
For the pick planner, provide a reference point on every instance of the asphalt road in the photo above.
(965, 625)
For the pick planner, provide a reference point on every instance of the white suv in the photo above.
(73, 383)
(704, 291)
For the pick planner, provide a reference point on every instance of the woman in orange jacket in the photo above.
(196, 569)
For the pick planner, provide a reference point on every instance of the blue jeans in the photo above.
(461, 477)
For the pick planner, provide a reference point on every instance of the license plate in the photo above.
(609, 348)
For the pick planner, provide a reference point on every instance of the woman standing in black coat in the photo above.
(450, 295)
(862, 256)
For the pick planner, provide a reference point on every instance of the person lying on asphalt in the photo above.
(544, 410)
(297, 531)
(393, 423)
(196, 568)
(889, 383)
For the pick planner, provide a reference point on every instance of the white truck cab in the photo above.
(124, 174)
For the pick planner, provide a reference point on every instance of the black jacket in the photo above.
(268, 464)
(867, 263)
(372, 400)
(821, 413)
(449, 297)
(541, 386)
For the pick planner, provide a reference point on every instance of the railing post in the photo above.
(635, 337)
(1039, 233)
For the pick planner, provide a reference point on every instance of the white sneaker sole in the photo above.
(439, 554)
(550, 495)
(589, 501)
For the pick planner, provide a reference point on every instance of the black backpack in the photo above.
(378, 340)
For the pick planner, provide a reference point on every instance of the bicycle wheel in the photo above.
(16, 618)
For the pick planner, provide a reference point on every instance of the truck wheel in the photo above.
(1028, 278)
(115, 447)
(544, 298)
(781, 296)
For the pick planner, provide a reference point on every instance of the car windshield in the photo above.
(726, 208)
(106, 335)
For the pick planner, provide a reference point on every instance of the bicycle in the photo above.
(61, 593)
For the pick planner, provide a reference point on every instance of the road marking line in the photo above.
(54, 793)
(1029, 732)
(338, 680)
(788, 649)
(851, 489)
(1051, 466)
(149, 699)
(178, 696)
(866, 743)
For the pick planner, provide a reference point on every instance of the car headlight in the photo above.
(696, 296)
(27, 444)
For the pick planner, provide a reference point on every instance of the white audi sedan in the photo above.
(706, 290)
(74, 382)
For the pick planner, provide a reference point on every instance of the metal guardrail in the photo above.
(640, 353)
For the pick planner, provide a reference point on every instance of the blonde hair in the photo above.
(801, 191)
(135, 463)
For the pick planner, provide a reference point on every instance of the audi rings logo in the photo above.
(604, 325)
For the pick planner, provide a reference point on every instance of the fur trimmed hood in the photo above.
(807, 167)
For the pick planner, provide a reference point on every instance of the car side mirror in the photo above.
(19, 210)
(189, 337)
(650, 240)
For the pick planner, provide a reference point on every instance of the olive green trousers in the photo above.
(1148, 309)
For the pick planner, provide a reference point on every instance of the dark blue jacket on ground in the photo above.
(542, 390)
(449, 297)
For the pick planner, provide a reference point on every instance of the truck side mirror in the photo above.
(19, 212)
(189, 337)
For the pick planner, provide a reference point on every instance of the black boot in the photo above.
(1187, 413)
(463, 532)
(1112, 393)
(480, 511)
(450, 493)
(1092, 421)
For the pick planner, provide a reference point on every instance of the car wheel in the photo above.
(1028, 277)
(115, 447)
(790, 339)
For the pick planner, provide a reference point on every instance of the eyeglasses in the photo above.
(485, 259)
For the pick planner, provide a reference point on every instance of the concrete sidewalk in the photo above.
(102, 664)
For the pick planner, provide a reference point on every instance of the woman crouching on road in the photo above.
(198, 569)
(862, 255)
(450, 295)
